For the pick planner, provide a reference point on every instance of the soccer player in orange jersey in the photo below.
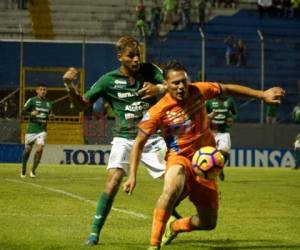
(181, 116)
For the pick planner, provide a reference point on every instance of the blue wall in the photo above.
(99, 58)
(11, 153)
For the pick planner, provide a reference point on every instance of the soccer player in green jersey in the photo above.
(222, 112)
(38, 108)
(130, 90)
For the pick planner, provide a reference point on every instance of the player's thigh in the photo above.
(41, 138)
(119, 154)
(30, 139)
(205, 196)
(223, 141)
(153, 156)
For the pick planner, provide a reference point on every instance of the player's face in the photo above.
(130, 59)
(177, 83)
(41, 92)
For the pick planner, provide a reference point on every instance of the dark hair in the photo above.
(41, 84)
(127, 42)
(173, 65)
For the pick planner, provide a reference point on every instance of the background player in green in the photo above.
(222, 112)
(38, 108)
(127, 89)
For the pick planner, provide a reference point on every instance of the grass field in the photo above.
(259, 209)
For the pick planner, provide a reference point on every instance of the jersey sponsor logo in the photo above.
(129, 116)
(81, 156)
(126, 94)
(120, 82)
(137, 106)
(220, 110)
(220, 117)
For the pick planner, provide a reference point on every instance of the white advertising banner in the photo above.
(99, 154)
(75, 154)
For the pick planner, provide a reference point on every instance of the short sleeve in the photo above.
(28, 105)
(158, 74)
(209, 90)
(97, 90)
(151, 121)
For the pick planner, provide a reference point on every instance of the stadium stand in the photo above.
(281, 39)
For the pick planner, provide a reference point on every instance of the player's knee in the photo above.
(27, 149)
(204, 224)
(209, 226)
(39, 149)
(113, 182)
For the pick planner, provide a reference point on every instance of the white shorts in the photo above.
(153, 155)
(223, 141)
(39, 138)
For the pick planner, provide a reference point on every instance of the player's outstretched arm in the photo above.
(272, 95)
(135, 157)
(79, 101)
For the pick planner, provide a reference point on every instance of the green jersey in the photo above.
(38, 123)
(296, 114)
(224, 108)
(121, 92)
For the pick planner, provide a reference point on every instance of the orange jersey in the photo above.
(184, 125)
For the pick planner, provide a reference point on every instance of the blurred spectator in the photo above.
(201, 12)
(155, 18)
(296, 113)
(297, 152)
(141, 24)
(229, 4)
(264, 6)
(295, 6)
(230, 51)
(8, 107)
(9, 4)
(185, 6)
(22, 4)
(287, 8)
(241, 53)
(271, 113)
(276, 9)
(12, 108)
(169, 12)
(234, 3)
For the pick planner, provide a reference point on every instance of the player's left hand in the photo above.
(149, 90)
(273, 95)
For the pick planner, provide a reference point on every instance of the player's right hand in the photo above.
(129, 185)
(70, 75)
